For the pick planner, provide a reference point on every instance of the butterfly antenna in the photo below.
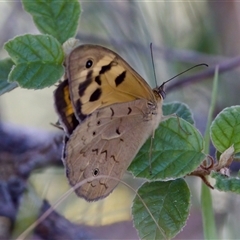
(161, 88)
(154, 72)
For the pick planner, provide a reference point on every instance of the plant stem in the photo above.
(209, 226)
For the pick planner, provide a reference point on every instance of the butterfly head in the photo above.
(161, 90)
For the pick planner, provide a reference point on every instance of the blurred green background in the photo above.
(183, 33)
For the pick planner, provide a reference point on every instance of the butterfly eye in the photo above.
(89, 63)
(95, 172)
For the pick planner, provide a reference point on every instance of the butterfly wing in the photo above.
(64, 107)
(98, 77)
(105, 143)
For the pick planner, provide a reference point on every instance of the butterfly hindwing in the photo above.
(64, 107)
(104, 144)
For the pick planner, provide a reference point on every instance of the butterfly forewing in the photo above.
(105, 80)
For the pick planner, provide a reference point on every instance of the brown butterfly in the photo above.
(108, 111)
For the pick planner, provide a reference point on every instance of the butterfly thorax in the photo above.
(152, 112)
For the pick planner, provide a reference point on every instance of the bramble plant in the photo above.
(161, 207)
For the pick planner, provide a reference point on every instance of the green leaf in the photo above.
(35, 75)
(176, 151)
(225, 129)
(54, 17)
(38, 60)
(5, 68)
(169, 204)
(180, 109)
(35, 48)
(226, 184)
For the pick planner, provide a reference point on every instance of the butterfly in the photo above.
(107, 111)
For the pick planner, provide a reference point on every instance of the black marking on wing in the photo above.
(112, 112)
(115, 160)
(95, 95)
(129, 110)
(58, 96)
(84, 85)
(95, 150)
(98, 80)
(79, 110)
(89, 63)
(78, 105)
(105, 151)
(117, 131)
(120, 78)
(105, 68)
(95, 172)
(74, 124)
